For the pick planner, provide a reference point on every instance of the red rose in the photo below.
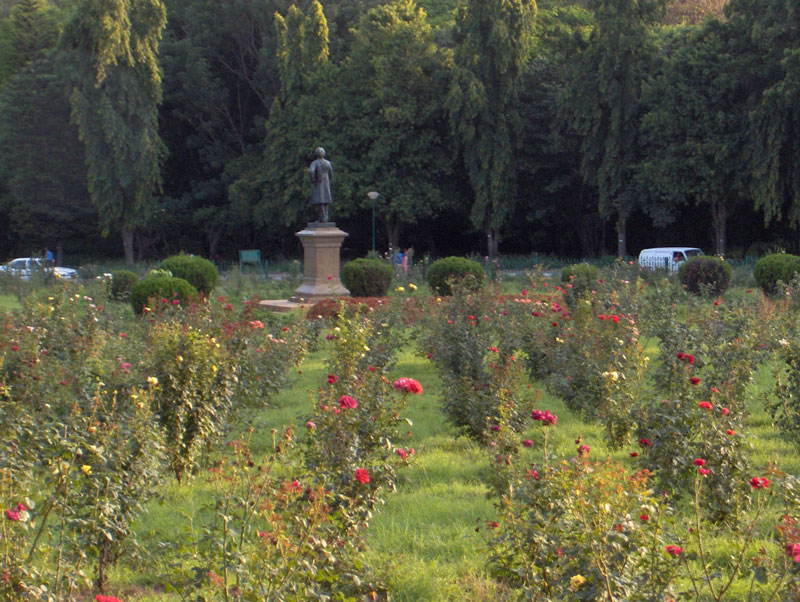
(544, 416)
(699, 462)
(408, 385)
(644, 518)
(347, 402)
(703, 471)
(705, 405)
(694, 380)
(725, 411)
(674, 550)
(362, 476)
(644, 443)
(527, 443)
(759, 483)
(332, 378)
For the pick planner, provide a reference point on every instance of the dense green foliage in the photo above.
(771, 269)
(197, 271)
(579, 280)
(575, 129)
(447, 270)
(367, 277)
(705, 274)
(114, 82)
(122, 282)
(163, 289)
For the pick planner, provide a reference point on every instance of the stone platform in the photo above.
(281, 305)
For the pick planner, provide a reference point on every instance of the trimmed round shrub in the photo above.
(197, 271)
(773, 268)
(705, 274)
(367, 277)
(583, 278)
(443, 271)
(161, 287)
(121, 283)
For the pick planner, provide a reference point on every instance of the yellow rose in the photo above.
(576, 582)
(87, 470)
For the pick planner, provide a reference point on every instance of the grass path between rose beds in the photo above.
(423, 542)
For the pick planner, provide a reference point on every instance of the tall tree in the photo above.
(493, 40)
(220, 79)
(392, 122)
(769, 35)
(602, 102)
(40, 162)
(696, 128)
(278, 182)
(111, 58)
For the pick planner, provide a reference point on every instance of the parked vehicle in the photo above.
(666, 258)
(24, 267)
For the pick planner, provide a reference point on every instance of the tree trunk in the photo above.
(622, 236)
(393, 232)
(127, 244)
(719, 215)
(492, 243)
(213, 242)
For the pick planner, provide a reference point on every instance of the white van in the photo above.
(666, 258)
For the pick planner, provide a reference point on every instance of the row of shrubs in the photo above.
(373, 277)
(182, 277)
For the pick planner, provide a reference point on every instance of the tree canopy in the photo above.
(485, 125)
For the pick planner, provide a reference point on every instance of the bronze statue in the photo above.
(321, 173)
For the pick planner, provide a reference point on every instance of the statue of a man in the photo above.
(321, 172)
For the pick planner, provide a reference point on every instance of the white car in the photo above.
(666, 258)
(23, 267)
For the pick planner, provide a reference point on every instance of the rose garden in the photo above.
(604, 436)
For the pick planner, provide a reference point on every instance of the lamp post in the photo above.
(373, 197)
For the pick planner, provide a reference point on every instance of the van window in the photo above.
(693, 253)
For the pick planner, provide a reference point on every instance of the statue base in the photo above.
(321, 244)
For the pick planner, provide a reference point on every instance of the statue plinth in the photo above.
(321, 244)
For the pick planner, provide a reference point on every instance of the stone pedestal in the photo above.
(321, 244)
